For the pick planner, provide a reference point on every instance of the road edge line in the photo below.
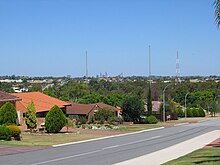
(107, 137)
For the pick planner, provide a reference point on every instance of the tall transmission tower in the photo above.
(177, 68)
(149, 63)
(86, 66)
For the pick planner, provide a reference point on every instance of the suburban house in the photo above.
(6, 97)
(155, 107)
(43, 103)
(88, 110)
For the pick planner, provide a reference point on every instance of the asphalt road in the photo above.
(112, 150)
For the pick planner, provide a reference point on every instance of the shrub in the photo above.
(201, 112)
(180, 112)
(8, 114)
(55, 120)
(5, 133)
(189, 112)
(115, 120)
(15, 130)
(195, 112)
(104, 115)
(81, 120)
(151, 120)
(30, 116)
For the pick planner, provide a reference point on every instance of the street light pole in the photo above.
(164, 119)
(185, 104)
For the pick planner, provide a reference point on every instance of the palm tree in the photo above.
(217, 11)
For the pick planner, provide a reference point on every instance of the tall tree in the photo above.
(30, 118)
(133, 108)
(149, 101)
(217, 11)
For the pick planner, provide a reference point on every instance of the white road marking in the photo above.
(92, 152)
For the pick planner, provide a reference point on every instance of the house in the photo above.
(155, 106)
(88, 110)
(6, 97)
(43, 103)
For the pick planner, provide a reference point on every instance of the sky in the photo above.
(51, 37)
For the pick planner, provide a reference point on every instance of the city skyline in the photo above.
(50, 38)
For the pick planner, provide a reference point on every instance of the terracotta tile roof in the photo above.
(85, 109)
(42, 102)
(8, 97)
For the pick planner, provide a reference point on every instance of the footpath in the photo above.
(176, 151)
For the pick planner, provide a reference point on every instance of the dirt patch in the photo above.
(7, 150)
(215, 143)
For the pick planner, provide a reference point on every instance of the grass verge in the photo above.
(205, 156)
(49, 139)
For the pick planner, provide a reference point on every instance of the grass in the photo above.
(49, 139)
(205, 156)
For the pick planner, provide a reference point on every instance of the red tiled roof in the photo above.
(85, 109)
(8, 97)
(41, 101)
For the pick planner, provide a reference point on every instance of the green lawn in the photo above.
(205, 156)
(49, 139)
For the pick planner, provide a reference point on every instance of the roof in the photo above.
(85, 109)
(42, 102)
(7, 97)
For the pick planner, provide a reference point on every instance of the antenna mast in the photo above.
(177, 68)
(86, 66)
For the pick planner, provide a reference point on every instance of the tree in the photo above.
(133, 108)
(149, 101)
(217, 11)
(8, 114)
(55, 120)
(30, 116)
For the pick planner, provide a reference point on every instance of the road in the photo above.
(112, 150)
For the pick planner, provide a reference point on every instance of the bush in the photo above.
(189, 112)
(8, 114)
(150, 120)
(201, 112)
(180, 112)
(5, 133)
(81, 120)
(55, 120)
(15, 131)
(104, 115)
(195, 112)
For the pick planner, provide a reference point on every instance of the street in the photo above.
(112, 150)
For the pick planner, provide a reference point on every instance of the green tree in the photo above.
(133, 108)
(55, 120)
(217, 11)
(149, 101)
(35, 88)
(8, 114)
(30, 116)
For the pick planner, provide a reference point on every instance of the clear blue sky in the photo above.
(50, 37)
